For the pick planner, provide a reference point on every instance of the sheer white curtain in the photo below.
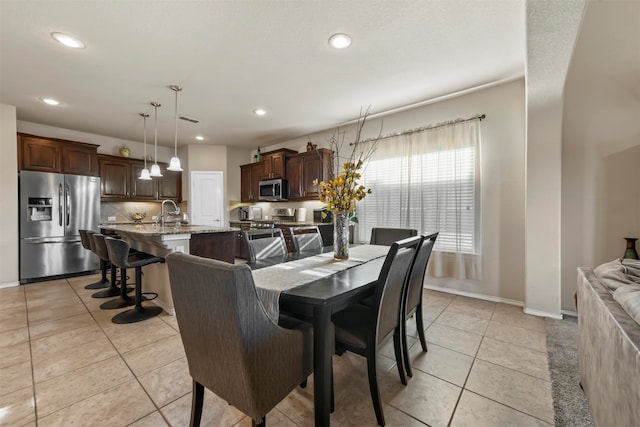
(429, 180)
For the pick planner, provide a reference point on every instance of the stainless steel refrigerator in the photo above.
(53, 207)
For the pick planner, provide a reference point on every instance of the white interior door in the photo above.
(206, 198)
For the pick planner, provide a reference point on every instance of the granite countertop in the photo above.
(152, 230)
(290, 223)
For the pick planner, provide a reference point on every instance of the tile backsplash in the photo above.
(122, 211)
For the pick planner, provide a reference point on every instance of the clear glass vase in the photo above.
(341, 235)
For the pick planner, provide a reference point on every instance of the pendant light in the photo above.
(174, 164)
(144, 173)
(155, 169)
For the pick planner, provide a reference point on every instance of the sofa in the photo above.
(609, 341)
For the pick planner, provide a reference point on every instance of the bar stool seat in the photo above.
(121, 292)
(87, 243)
(119, 256)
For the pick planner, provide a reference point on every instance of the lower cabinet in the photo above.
(220, 246)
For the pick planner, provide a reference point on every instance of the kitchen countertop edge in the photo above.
(152, 230)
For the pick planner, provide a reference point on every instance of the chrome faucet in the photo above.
(175, 212)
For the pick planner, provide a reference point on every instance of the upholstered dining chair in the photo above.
(233, 348)
(413, 299)
(362, 329)
(264, 243)
(306, 238)
(386, 236)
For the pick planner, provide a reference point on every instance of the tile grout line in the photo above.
(33, 378)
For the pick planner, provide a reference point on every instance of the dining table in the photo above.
(317, 286)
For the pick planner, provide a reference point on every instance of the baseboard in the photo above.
(570, 313)
(475, 295)
(9, 284)
(542, 313)
(164, 306)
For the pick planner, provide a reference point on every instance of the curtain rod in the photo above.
(479, 117)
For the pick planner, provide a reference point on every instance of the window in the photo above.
(429, 181)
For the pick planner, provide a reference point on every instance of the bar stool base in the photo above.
(101, 284)
(117, 303)
(108, 293)
(136, 314)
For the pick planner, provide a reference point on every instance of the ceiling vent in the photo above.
(189, 119)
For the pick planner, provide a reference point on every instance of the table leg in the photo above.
(322, 364)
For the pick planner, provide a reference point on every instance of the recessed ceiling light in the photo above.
(50, 101)
(200, 138)
(260, 112)
(68, 40)
(339, 41)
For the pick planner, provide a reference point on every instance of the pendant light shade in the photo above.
(174, 164)
(144, 173)
(155, 168)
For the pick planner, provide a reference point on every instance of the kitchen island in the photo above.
(206, 241)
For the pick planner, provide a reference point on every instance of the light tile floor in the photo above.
(64, 363)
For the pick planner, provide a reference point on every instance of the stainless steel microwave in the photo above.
(273, 190)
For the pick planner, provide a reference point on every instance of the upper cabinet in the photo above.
(250, 176)
(273, 165)
(41, 154)
(303, 170)
(119, 181)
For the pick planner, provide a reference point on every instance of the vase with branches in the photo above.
(343, 189)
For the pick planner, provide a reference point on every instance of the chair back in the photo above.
(264, 243)
(99, 246)
(86, 239)
(390, 287)
(416, 278)
(386, 236)
(233, 348)
(118, 251)
(306, 238)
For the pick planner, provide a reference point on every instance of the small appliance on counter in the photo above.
(318, 217)
(282, 214)
(301, 214)
(249, 213)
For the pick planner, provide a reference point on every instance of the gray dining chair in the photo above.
(264, 243)
(386, 236)
(363, 329)
(306, 238)
(233, 348)
(413, 299)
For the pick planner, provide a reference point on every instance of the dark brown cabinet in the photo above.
(220, 246)
(114, 178)
(119, 181)
(305, 171)
(250, 176)
(274, 163)
(56, 155)
(142, 189)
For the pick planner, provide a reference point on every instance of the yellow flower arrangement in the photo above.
(342, 192)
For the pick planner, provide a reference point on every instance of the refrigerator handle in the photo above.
(60, 204)
(68, 204)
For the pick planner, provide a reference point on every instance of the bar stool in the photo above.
(87, 243)
(121, 292)
(119, 255)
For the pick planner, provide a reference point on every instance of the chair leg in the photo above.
(373, 385)
(420, 325)
(260, 423)
(398, 344)
(197, 399)
(123, 300)
(103, 282)
(113, 290)
(405, 352)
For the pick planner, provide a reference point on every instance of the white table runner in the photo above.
(270, 281)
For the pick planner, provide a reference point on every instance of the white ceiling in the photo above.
(231, 57)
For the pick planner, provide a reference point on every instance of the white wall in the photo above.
(601, 141)
(502, 151)
(9, 237)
